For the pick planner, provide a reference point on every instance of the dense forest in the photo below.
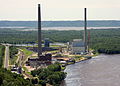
(7, 78)
(102, 40)
(52, 75)
(106, 41)
(14, 36)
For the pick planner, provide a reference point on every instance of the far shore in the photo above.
(56, 28)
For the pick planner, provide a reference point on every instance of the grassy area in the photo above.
(78, 57)
(27, 52)
(12, 61)
(96, 54)
(25, 69)
(54, 45)
(63, 68)
(28, 73)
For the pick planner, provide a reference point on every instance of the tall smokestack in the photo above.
(39, 32)
(88, 41)
(85, 28)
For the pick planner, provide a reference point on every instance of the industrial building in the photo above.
(77, 46)
(46, 42)
(44, 60)
(41, 60)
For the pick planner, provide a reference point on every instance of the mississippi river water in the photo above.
(103, 70)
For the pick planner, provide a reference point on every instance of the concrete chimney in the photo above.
(85, 28)
(39, 32)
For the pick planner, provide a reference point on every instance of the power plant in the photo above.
(79, 46)
(41, 60)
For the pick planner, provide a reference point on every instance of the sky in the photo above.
(55, 10)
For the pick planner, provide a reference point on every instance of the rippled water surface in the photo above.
(103, 70)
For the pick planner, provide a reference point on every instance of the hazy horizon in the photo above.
(57, 10)
(63, 20)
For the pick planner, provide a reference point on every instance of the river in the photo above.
(102, 70)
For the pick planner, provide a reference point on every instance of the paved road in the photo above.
(6, 61)
(21, 57)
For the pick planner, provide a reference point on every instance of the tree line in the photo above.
(102, 40)
(2, 51)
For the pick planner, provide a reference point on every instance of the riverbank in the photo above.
(76, 59)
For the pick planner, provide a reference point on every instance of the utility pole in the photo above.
(39, 32)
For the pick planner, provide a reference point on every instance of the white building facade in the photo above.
(77, 46)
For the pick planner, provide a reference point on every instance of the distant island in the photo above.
(91, 23)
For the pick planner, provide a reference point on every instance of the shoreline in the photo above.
(80, 59)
